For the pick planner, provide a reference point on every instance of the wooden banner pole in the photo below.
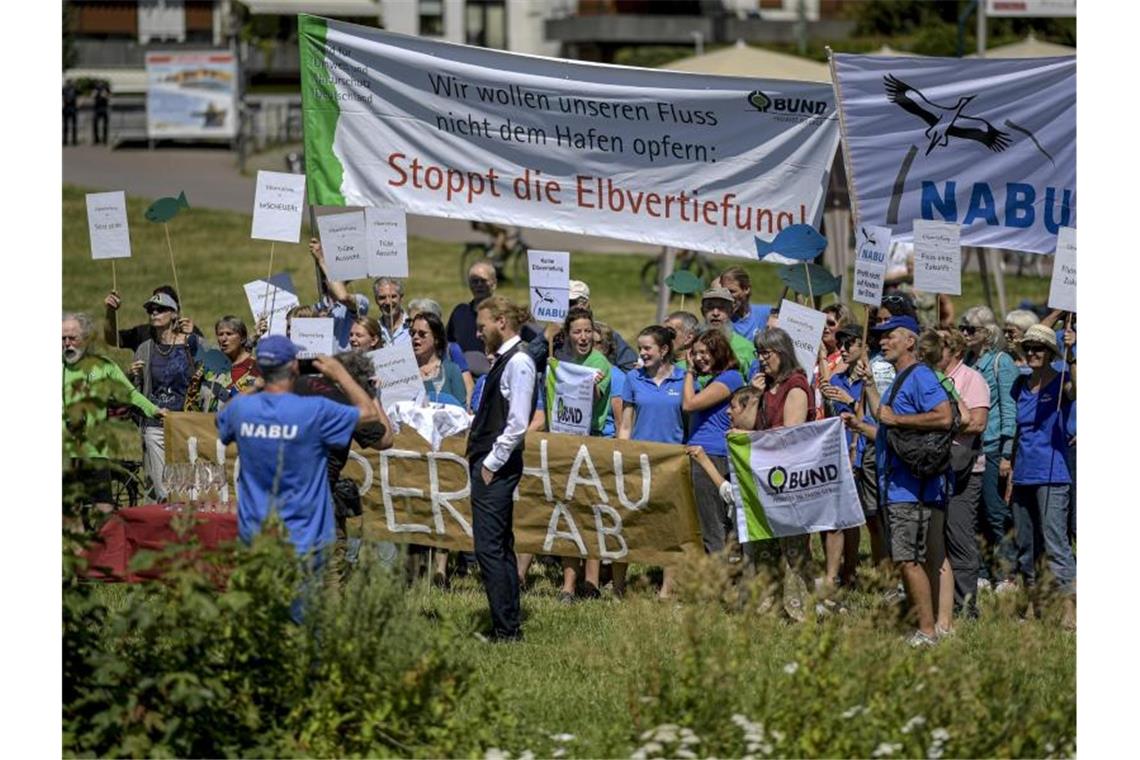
(265, 301)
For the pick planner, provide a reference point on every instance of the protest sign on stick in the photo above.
(343, 241)
(805, 327)
(108, 230)
(386, 233)
(313, 336)
(549, 284)
(278, 203)
(398, 373)
(872, 244)
(1063, 286)
(275, 298)
(937, 257)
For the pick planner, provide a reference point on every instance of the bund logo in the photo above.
(802, 107)
(759, 101)
(777, 479)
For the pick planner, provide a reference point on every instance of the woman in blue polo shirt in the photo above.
(1041, 477)
(707, 405)
(651, 410)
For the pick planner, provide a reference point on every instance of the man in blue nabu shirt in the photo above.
(283, 442)
(913, 508)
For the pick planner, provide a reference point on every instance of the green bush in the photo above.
(185, 668)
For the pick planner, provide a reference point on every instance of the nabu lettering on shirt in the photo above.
(275, 432)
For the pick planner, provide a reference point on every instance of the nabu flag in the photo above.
(988, 144)
(794, 480)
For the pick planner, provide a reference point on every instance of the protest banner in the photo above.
(278, 203)
(662, 157)
(345, 245)
(273, 300)
(598, 498)
(872, 244)
(805, 327)
(386, 236)
(937, 257)
(107, 225)
(313, 336)
(398, 373)
(791, 481)
(1063, 286)
(989, 144)
(191, 94)
(549, 284)
(573, 402)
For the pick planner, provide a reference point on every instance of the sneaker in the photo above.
(918, 639)
(943, 633)
(565, 597)
(895, 595)
(1005, 587)
(984, 586)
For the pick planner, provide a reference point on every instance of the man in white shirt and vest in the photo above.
(495, 456)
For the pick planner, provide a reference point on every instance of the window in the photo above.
(487, 23)
(431, 18)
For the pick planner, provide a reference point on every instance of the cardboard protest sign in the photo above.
(805, 327)
(398, 373)
(573, 403)
(549, 284)
(107, 225)
(386, 235)
(937, 257)
(598, 498)
(344, 244)
(871, 247)
(313, 336)
(793, 480)
(1063, 286)
(277, 206)
(274, 298)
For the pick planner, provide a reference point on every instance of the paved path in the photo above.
(211, 180)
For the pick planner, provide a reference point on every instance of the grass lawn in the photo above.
(594, 678)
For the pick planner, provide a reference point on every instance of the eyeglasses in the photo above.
(967, 329)
(1034, 348)
(420, 334)
(763, 351)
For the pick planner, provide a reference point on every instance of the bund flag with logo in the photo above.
(990, 144)
(791, 481)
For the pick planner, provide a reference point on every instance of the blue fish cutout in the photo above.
(165, 209)
(801, 242)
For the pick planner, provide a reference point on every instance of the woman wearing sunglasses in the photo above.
(1041, 477)
(984, 353)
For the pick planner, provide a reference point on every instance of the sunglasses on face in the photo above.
(967, 329)
(847, 343)
(420, 334)
(1034, 348)
(158, 310)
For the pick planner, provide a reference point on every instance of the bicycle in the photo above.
(511, 265)
(128, 483)
(691, 261)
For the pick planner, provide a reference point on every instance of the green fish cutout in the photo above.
(684, 282)
(165, 209)
(822, 281)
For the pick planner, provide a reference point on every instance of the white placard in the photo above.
(344, 244)
(805, 327)
(937, 257)
(549, 284)
(277, 206)
(386, 232)
(273, 297)
(1063, 286)
(871, 247)
(313, 336)
(572, 408)
(398, 374)
(107, 225)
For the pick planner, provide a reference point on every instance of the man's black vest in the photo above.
(491, 416)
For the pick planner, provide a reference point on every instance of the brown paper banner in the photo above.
(579, 497)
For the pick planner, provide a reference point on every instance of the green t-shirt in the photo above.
(743, 350)
(94, 375)
(601, 406)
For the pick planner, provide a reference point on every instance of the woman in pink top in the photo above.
(968, 463)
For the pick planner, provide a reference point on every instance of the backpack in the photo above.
(926, 453)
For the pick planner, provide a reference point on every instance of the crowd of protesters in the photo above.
(1000, 514)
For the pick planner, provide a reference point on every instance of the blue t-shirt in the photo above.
(921, 392)
(455, 353)
(657, 414)
(617, 385)
(710, 426)
(295, 432)
(753, 322)
(754, 368)
(170, 371)
(854, 389)
(1041, 437)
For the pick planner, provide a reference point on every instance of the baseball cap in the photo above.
(716, 294)
(275, 350)
(850, 331)
(579, 289)
(162, 301)
(905, 322)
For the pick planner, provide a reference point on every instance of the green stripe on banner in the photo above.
(320, 110)
(740, 455)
